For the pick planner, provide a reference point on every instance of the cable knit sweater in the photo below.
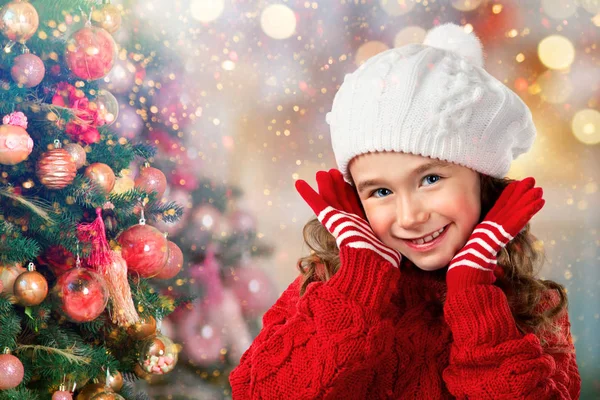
(373, 332)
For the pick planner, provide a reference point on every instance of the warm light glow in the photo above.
(408, 35)
(556, 52)
(466, 5)
(586, 126)
(395, 8)
(368, 50)
(278, 21)
(559, 9)
(206, 10)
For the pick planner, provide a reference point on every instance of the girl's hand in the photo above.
(475, 263)
(338, 208)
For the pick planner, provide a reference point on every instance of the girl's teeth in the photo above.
(429, 238)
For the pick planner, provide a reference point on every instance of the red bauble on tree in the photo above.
(81, 294)
(58, 259)
(173, 264)
(90, 53)
(56, 168)
(150, 180)
(144, 249)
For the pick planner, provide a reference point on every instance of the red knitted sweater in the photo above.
(373, 332)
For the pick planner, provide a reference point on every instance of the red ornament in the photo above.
(58, 259)
(173, 264)
(81, 294)
(11, 371)
(150, 180)
(90, 53)
(144, 249)
(62, 394)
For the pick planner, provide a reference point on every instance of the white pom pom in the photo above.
(453, 38)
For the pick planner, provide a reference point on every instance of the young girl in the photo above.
(420, 284)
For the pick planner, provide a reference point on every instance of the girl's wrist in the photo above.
(365, 277)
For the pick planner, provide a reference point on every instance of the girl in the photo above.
(421, 282)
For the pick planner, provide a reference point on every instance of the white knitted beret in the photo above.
(433, 100)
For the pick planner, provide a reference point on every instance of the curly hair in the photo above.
(520, 261)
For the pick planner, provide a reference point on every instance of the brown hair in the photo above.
(520, 261)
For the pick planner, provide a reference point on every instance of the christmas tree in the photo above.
(79, 258)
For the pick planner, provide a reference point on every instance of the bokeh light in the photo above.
(368, 50)
(555, 86)
(206, 10)
(586, 126)
(466, 5)
(559, 9)
(556, 52)
(395, 8)
(278, 21)
(408, 35)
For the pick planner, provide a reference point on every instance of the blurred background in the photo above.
(234, 93)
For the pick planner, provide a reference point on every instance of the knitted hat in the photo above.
(433, 100)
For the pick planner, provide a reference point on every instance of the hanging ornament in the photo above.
(150, 180)
(252, 287)
(107, 394)
(81, 294)
(205, 220)
(55, 168)
(8, 275)
(90, 53)
(18, 21)
(114, 381)
(158, 354)
(107, 106)
(30, 288)
(143, 248)
(77, 154)
(102, 175)
(62, 394)
(15, 142)
(94, 233)
(28, 70)
(11, 371)
(174, 262)
(107, 17)
(90, 390)
(115, 275)
(143, 328)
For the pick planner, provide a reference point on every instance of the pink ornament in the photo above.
(253, 288)
(207, 277)
(81, 294)
(15, 144)
(15, 118)
(145, 249)
(200, 333)
(28, 70)
(62, 395)
(174, 262)
(90, 53)
(107, 106)
(151, 179)
(11, 371)
(242, 222)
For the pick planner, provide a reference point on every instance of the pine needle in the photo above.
(38, 206)
(68, 354)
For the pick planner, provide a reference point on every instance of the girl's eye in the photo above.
(381, 192)
(432, 176)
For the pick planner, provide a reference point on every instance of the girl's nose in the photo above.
(410, 213)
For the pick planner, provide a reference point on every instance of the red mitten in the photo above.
(338, 209)
(475, 263)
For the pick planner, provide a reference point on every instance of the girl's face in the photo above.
(413, 197)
